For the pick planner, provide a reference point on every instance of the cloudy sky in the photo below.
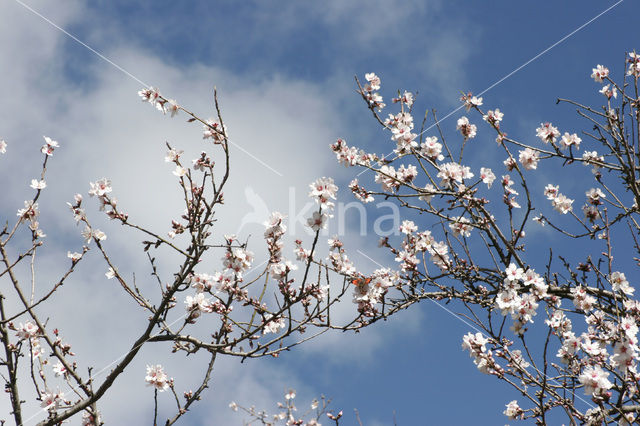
(284, 73)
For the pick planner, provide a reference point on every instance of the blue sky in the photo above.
(284, 71)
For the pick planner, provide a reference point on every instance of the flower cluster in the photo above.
(322, 190)
(467, 129)
(153, 96)
(49, 146)
(547, 133)
(451, 173)
(368, 291)
(157, 378)
(476, 344)
(339, 259)
(214, 130)
(360, 192)
(373, 98)
(350, 156)
(401, 126)
(559, 201)
(519, 295)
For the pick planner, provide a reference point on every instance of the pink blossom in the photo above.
(51, 401)
(49, 146)
(408, 227)
(547, 133)
(487, 176)
(529, 158)
(322, 190)
(619, 283)
(461, 226)
(273, 325)
(157, 378)
(609, 93)
(100, 187)
(513, 410)
(570, 140)
(317, 221)
(374, 81)
(562, 204)
(595, 380)
(599, 73)
(467, 130)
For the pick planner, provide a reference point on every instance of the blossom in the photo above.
(323, 189)
(595, 380)
(172, 155)
(49, 146)
(198, 303)
(634, 64)
(619, 283)
(529, 158)
(172, 107)
(471, 101)
(559, 322)
(408, 227)
(110, 273)
(150, 95)
(100, 187)
(157, 378)
(38, 184)
(581, 299)
(562, 204)
(75, 256)
(360, 192)
(237, 260)
(59, 369)
(594, 196)
(213, 130)
(51, 400)
(290, 395)
(317, 221)
(29, 212)
(551, 191)
(406, 98)
(609, 93)
(3, 146)
(513, 272)
(487, 176)
(179, 171)
(599, 73)
(569, 140)
(374, 81)
(467, 130)
(273, 324)
(453, 172)
(461, 226)
(493, 117)
(432, 149)
(547, 133)
(513, 410)
(27, 330)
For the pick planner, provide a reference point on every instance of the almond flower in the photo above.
(599, 73)
(547, 133)
(49, 146)
(157, 378)
(467, 130)
(38, 184)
